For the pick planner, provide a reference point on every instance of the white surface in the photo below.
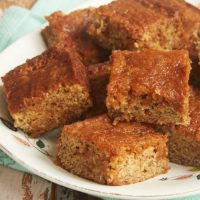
(43, 165)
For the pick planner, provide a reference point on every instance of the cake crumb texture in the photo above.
(138, 24)
(184, 141)
(113, 155)
(48, 91)
(149, 86)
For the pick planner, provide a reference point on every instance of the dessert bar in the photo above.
(47, 91)
(149, 86)
(74, 25)
(114, 155)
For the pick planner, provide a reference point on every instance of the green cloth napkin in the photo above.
(16, 23)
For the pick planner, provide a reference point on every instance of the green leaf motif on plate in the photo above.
(40, 144)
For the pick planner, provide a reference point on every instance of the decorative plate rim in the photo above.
(75, 187)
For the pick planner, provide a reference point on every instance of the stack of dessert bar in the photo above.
(117, 78)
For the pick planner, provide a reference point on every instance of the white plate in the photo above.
(38, 155)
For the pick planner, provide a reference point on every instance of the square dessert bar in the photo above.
(184, 16)
(184, 141)
(126, 24)
(149, 86)
(74, 25)
(114, 155)
(136, 24)
(47, 91)
(98, 76)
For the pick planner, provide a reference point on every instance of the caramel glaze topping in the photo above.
(162, 75)
(138, 16)
(76, 22)
(74, 25)
(42, 75)
(131, 15)
(186, 16)
(98, 69)
(123, 137)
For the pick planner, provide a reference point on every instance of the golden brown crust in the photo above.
(114, 155)
(98, 69)
(186, 16)
(29, 83)
(151, 70)
(111, 139)
(122, 12)
(74, 25)
(157, 24)
(121, 24)
(161, 76)
(75, 22)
